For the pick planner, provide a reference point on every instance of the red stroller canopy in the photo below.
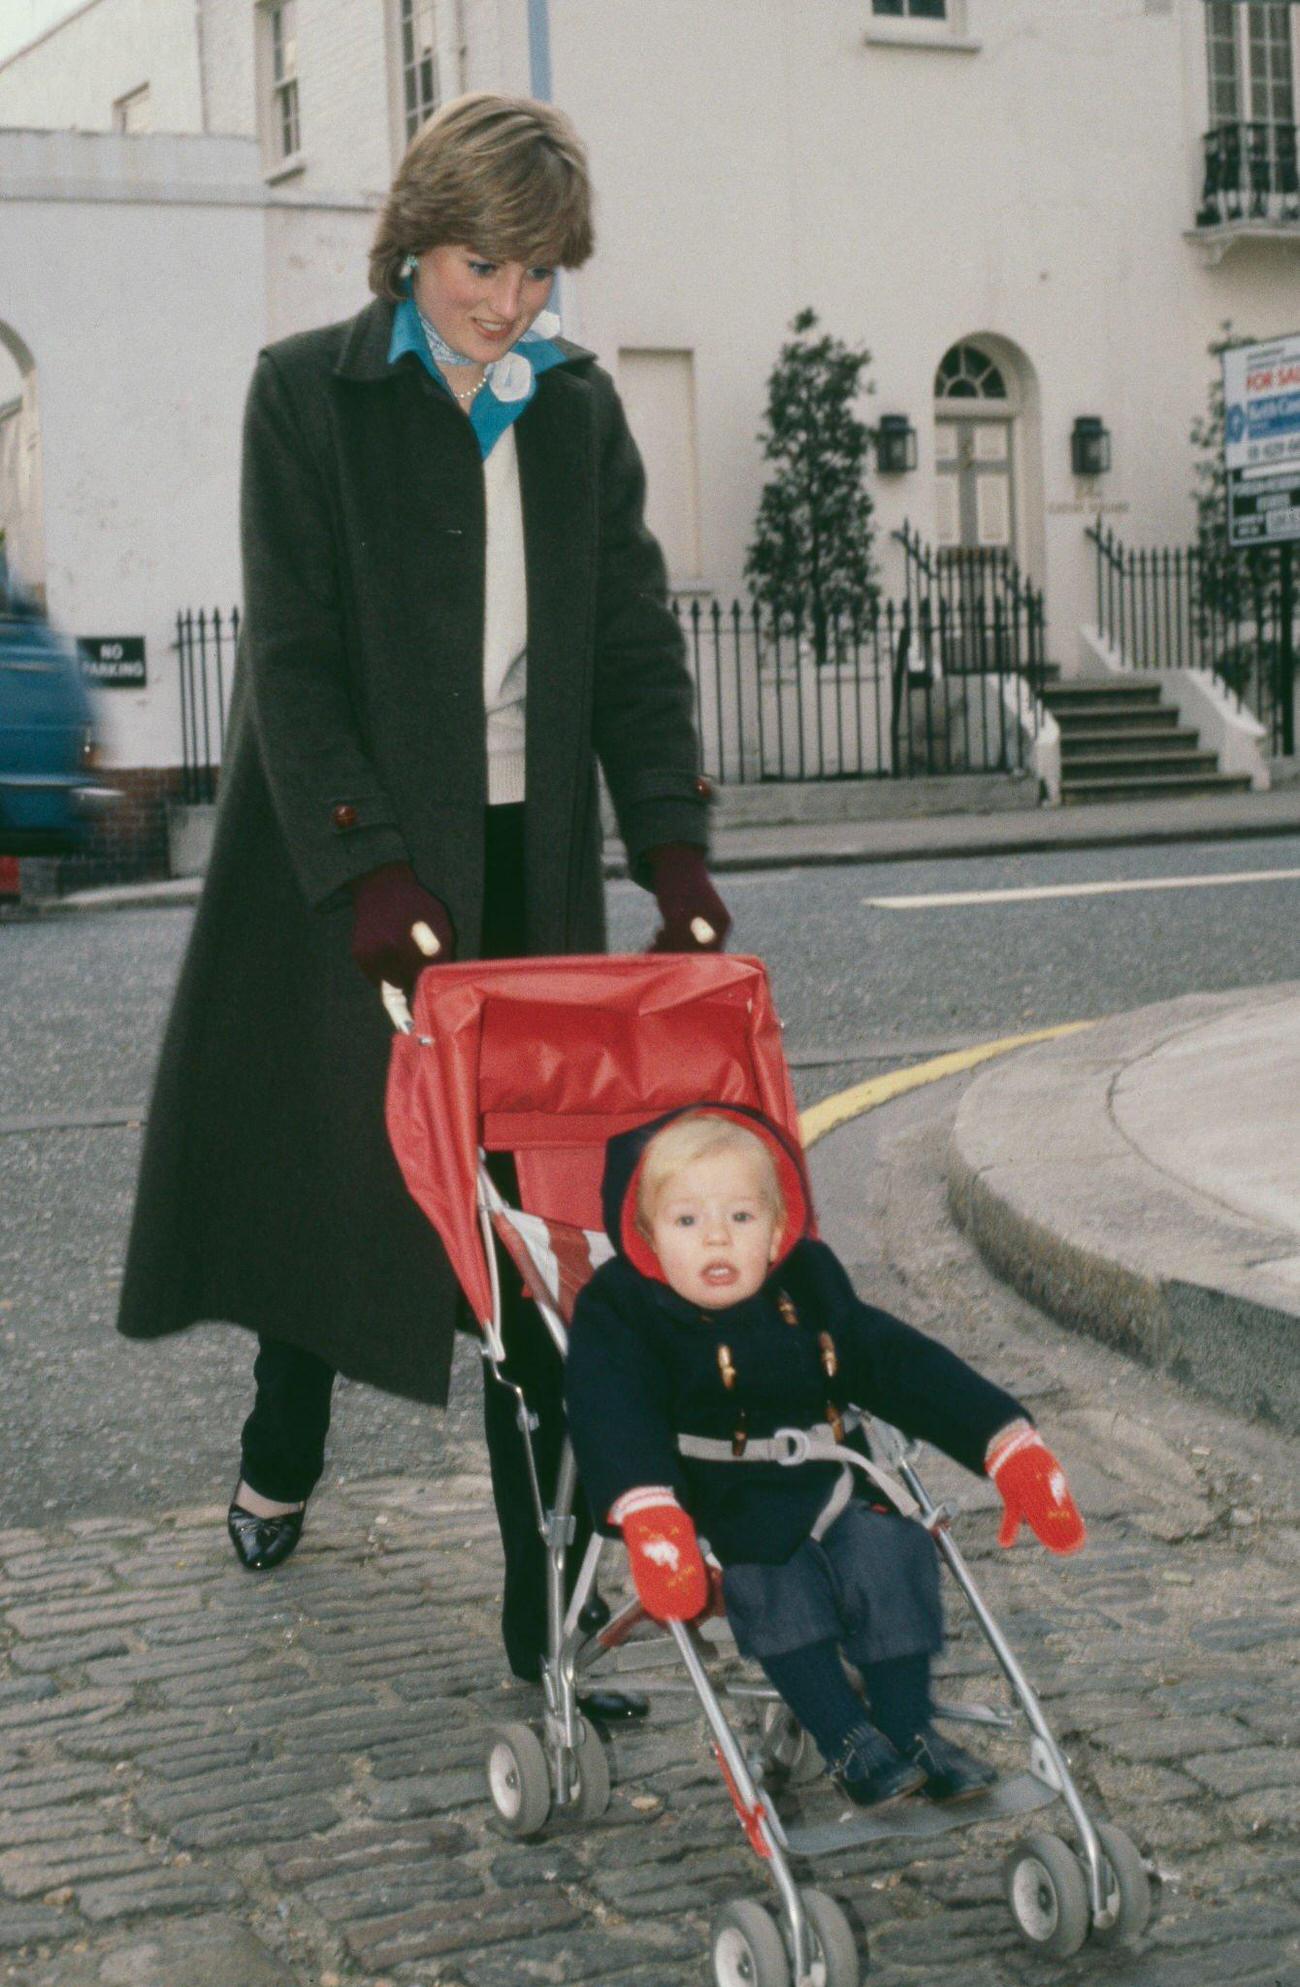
(548, 1058)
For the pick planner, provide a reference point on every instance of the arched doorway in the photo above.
(976, 404)
(22, 504)
(988, 488)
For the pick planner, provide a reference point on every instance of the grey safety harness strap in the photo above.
(793, 1446)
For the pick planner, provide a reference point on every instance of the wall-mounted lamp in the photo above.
(1090, 446)
(895, 445)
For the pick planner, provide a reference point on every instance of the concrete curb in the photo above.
(814, 845)
(1066, 1210)
(1030, 843)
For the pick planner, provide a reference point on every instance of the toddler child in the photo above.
(721, 1319)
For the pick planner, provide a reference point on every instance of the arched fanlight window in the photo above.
(966, 373)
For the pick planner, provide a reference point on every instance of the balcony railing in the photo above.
(1251, 174)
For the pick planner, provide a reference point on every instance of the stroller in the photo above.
(546, 1059)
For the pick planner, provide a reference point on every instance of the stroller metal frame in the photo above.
(573, 1651)
(1057, 1898)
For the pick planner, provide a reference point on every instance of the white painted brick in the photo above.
(71, 78)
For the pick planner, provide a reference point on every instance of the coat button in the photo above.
(344, 816)
(703, 787)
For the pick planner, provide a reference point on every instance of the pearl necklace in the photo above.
(469, 392)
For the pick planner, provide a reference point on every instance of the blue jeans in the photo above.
(871, 1586)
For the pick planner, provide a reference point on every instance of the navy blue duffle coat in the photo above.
(643, 1368)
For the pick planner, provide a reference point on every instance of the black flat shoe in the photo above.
(611, 1707)
(951, 1773)
(261, 1543)
(595, 1615)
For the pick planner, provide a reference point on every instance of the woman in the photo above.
(453, 610)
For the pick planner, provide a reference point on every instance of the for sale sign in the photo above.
(1261, 441)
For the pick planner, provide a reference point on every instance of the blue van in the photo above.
(48, 795)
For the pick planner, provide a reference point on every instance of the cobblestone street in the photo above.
(577, 570)
(208, 1780)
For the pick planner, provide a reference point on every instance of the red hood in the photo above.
(625, 1155)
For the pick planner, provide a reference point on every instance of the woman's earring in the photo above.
(410, 265)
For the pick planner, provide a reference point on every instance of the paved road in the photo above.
(126, 1430)
(229, 1782)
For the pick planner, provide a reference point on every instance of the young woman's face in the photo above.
(713, 1231)
(480, 308)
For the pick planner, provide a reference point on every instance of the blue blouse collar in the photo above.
(511, 381)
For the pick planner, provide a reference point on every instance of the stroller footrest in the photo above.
(975, 1714)
(917, 1819)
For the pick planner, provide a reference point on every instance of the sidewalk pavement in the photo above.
(905, 838)
(1019, 831)
(1142, 1179)
(209, 1779)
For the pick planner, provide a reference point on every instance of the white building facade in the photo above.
(1033, 212)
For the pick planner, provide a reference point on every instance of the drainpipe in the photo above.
(539, 49)
(565, 297)
(201, 54)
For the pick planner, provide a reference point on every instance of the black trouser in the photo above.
(284, 1436)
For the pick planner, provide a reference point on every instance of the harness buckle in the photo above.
(792, 1445)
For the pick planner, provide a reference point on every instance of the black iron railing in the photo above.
(1252, 173)
(1174, 607)
(205, 652)
(960, 573)
(973, 587)
(936, 683)
(911, 687)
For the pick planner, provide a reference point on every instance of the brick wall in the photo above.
(128, 843)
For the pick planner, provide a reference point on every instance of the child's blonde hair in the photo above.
(698, 1135)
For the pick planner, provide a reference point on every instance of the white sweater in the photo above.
(505, 624)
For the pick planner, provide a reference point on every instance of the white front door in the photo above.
(974, 499)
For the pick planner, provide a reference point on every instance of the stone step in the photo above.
(1108, 690)
(1162, 738)
(1110, 716)
(1156, 765)
(1177, 786)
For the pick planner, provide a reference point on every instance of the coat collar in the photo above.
(364, 356)
(750, 1310)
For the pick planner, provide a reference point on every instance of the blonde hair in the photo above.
(698, 1135)
(506, 176)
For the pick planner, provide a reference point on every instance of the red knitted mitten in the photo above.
(664, 1555)
(1034, 1491)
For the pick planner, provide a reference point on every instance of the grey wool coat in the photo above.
(268, 1195)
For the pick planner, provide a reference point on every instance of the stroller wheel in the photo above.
(591, 1791)
(1126, 1888)
(1047, 1893)
(519, 1781)
(835, 1950)
(747, 1948)
(788, 1747)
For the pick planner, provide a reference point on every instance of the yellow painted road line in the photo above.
(818, 1119)
(1029, 893)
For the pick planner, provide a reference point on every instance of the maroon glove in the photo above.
(398, 927)
(695, 919)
